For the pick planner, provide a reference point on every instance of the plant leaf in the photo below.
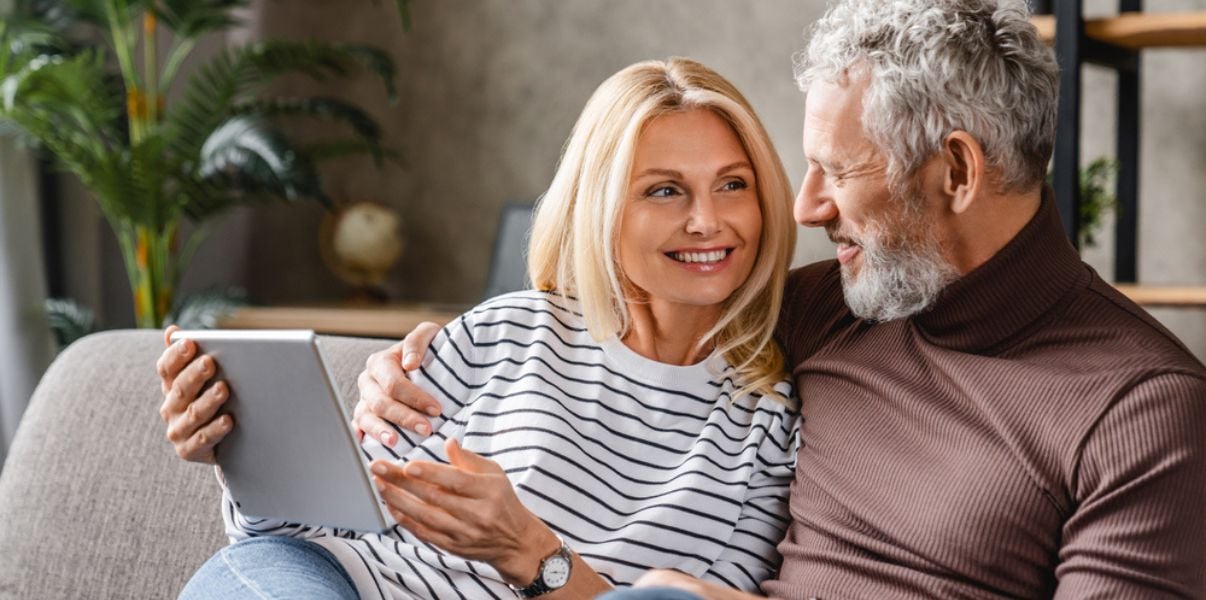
(246, 155)
(331, 109)
(194, 18)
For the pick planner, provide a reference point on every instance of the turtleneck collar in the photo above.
(1001, 297)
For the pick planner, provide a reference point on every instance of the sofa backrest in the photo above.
(93, 501)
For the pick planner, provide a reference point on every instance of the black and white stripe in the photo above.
(636, 464)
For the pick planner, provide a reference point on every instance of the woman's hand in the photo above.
(387, 394)
(191, 424)
(469, 509)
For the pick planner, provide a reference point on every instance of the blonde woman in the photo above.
(630, 413)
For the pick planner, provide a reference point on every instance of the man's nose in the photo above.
(703, 220)
(814, 204)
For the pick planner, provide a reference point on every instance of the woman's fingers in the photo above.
(402, 501)
(167, 334)
(187, 385)
(174, 358)
(184, 387)
(199, 447)
(466, 460)
(194, 415)
(447, 477)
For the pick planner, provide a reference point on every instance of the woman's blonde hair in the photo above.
(572, 249)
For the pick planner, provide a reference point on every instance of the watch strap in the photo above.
(540, 587)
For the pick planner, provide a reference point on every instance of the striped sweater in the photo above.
(636, 464)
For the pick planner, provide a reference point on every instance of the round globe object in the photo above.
(361, 242)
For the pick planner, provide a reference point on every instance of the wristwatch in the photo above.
(554, 573)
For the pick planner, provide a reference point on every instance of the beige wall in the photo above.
(490, 89)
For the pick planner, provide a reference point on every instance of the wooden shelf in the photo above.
(388, 321)
(1169, 296)
(1137, 30)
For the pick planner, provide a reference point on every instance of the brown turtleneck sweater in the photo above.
(1034, 435)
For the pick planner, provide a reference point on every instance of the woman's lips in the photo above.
(847, 252)
(700, 261)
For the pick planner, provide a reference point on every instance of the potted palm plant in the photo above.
(99, 105)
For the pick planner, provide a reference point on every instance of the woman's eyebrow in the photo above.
(661, 172)
(741, 164)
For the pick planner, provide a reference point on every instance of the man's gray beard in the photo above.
(896, 283)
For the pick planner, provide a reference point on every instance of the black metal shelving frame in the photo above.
(1073, 49)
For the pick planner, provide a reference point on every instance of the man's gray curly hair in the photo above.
(937, 66)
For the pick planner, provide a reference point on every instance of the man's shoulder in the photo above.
(1121, 334)
(813, 305)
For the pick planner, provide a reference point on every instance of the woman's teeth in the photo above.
(699, 257)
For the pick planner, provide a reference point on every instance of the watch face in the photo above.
(556, 572)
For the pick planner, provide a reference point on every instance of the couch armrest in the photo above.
(93, 502)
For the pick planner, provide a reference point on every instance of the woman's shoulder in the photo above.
(532, 311)
(779, 403)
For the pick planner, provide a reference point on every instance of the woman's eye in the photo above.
(734, 185)
(664, 191)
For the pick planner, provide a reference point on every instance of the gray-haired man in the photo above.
(984, 416)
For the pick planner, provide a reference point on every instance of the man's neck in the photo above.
(986, 228)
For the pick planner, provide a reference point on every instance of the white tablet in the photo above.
(292, 454)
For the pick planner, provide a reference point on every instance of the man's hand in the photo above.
(387, 394)
(682, 581)
(193, 423)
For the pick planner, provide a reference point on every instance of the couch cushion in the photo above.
(93, 501)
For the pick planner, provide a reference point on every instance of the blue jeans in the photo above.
(652, 593)
(270, 567)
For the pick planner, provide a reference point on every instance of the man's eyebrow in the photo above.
(824, 163)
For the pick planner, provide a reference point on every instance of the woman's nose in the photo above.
(814, 204)
(703, 219)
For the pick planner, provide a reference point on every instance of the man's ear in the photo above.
(963, 159)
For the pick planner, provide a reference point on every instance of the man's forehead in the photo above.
(833, 128)
(828, 103)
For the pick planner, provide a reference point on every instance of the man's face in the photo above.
(890, 255)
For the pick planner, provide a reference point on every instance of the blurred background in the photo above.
(487, 91)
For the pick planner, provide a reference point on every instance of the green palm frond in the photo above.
(67, 103)
(22, 36)
(69, 320)
(366, 128)
(234, 74)
(247, 157)
(322, 151)
(194, 18)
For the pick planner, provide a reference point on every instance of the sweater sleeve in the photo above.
(1139, 526)
(751, 556)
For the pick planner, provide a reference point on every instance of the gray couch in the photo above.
(93, 501)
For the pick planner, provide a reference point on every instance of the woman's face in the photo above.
(690, 229)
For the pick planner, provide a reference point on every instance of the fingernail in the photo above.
(423, 429)
(414, 470)
(385, 440)
(433, 411)
(187, 350)
(379, 469)
(409, 358)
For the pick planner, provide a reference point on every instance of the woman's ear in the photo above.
(963, 159)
